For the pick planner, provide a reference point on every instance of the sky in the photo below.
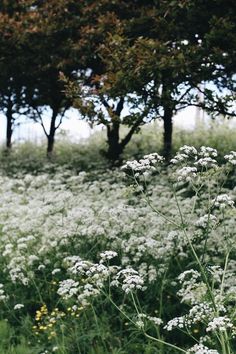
(77, 129)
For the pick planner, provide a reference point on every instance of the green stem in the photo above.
(164, 343)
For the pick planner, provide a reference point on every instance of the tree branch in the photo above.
(41, 122)
(120, 106)
(129, 135)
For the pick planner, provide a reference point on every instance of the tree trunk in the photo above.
(50, 146)
(9, 129)
(167, 136)
(51, 135)
(114, 147)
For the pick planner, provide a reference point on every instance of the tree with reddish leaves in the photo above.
(96, 100)
(37, 44)
(166, 50)
(155, 57)
(13, 88)
(51, 29)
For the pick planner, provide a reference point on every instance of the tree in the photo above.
(166, 50)
(92, 95)
(36, 47)
(13, 88)
(50, 31)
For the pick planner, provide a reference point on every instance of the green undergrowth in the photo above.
(89, 154)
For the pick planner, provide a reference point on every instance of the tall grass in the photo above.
(89, 153)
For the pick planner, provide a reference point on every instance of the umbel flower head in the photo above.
(143, 166)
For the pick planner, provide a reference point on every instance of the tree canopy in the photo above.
(121, 62)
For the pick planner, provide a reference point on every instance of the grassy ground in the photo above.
(89, 154)
(164, 227)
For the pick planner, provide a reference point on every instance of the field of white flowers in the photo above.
(140, 259)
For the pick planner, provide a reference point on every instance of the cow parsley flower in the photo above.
(222, 201)
(231, 157)
(206, 220)
(221, 324)
(107, 255)
(206, 162)
(201, 349)
(143, 166)
(2, 293)
(130, 280)
(185, 153)
(141, 316)
(206, 151)
(68, 288)
(177, 322)
(55, 271)
(186, 174)
(18, 306)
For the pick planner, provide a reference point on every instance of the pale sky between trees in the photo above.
(78, 129)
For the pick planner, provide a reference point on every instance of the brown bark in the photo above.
(168, 129)
(9, 132)
(51, 135)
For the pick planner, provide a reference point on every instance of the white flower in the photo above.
(41, 267)
(201, 349)
(18, 306)
(206, 162)
(231, 157)
(156, 320)
(221, 324)
(177, 322)
(68, 288)
(107, 255)
(222, 201)
(206, 220)
(206, 151)
(2, 293)
(130, 279)
(186, 174)
(55, 271)
(143, 166)
(188, 150)
(184, 154)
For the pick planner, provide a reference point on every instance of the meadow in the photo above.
(133, 259)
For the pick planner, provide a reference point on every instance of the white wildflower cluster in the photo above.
(201, 349)
(148, 272)
(207, 162)
(222, 201)
(2, 293)
(216, 273)
(143, 166)
(86, 292)
(207, 220)
(55, 271)
(186, 174)
(231, 158)
(184, 154)
(193, 289)
(142, 316)
(199, 313)
(177, 322)
(68, 288)
(18, 306)
(220, 324)
(95, 273)
(68, 230)
(107, 255)
(194, 161)
(206, 151)
(129, 279)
